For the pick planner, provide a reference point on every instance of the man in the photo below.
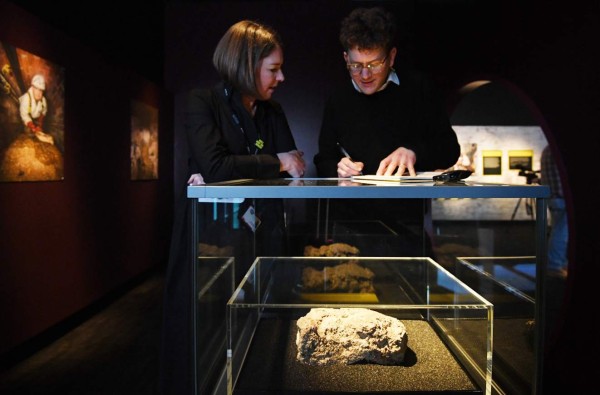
(388, 122)
(33, 108)
(559, 231)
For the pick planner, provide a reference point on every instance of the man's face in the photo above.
(369, 68)
(37, 93)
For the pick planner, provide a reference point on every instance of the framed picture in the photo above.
(520, 159)
(32, 96)
(492, 162)
(144, 141)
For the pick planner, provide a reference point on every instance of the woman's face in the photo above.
(269, 74)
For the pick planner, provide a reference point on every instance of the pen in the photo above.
(346, 154)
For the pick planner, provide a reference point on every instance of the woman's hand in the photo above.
(196, 179)
(402, 158)
(348, 168)
(292, 162)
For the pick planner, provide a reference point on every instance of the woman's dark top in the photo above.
(221, 149)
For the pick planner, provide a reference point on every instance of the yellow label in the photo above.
(520, 152)
(491, 152)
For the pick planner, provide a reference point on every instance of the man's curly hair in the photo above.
(368, 28)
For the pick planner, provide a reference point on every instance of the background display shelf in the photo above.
(371, 238)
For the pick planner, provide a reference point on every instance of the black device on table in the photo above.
(452, 175)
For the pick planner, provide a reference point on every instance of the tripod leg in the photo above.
(515, 210)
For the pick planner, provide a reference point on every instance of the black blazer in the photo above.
(221, 149)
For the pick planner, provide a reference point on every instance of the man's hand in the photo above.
(347, 168)
(32, 126)
(402, 159)
(292, 162)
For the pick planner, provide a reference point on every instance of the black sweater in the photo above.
(370, 127)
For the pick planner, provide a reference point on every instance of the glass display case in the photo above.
(214, 276)
(509, 284)
(449, 327)
(235, 218)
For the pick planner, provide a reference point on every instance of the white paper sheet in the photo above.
(426, 176)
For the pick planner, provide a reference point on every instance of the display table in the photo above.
(211, 198)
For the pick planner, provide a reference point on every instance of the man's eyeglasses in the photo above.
(374, 67)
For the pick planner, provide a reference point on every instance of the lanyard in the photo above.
(259, 143)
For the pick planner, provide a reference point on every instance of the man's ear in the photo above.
(346, 56)
(393, 52)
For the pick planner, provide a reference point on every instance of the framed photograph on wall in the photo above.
(492, 162)
(32, 103)
(520, 159)
(144, 141)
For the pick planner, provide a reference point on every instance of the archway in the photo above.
(502, 136)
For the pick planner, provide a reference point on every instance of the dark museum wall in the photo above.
(67, 244)
(544, 52)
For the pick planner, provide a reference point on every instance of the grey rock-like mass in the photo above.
(349, 335)
(345, 277)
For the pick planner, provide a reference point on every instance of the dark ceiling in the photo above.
(128, 33)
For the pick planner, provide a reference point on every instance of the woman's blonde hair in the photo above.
(239, 52)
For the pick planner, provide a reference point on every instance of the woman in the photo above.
(234, 131)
